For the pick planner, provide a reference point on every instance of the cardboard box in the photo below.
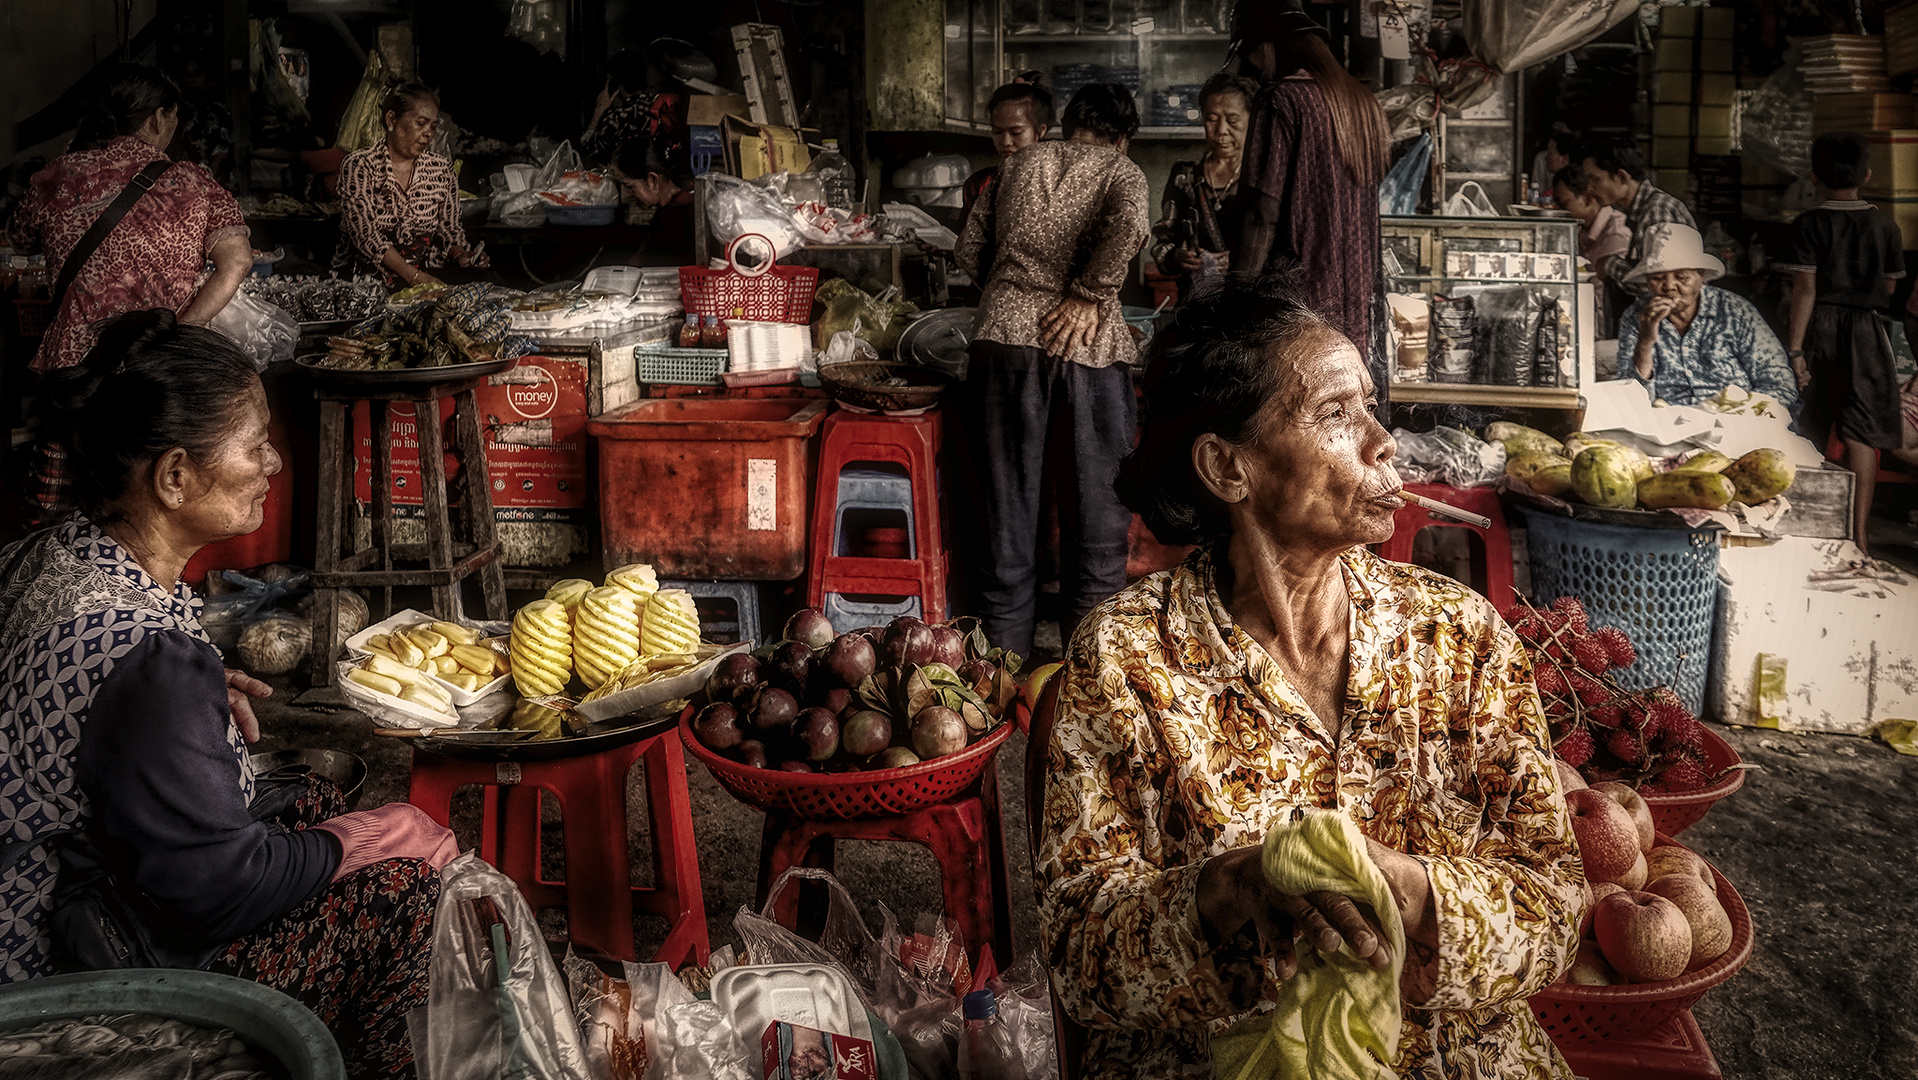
(1678, 22)
(1863, 112)
(795, 1052)
(1671, 153)
(1715, 55)
(1716, 23)
(1905, 213)
(711, 110)
(1714, 144)
(1716, 89)
(1671, 122)
(1714, 121)
(1674, 53)
(1894, 164)
(1672, 87)
(753, 150)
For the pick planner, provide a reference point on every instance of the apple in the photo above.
(1668, 859)
(1568, 778)
(1599, 892)
(1589, 968)
(1607, 838)
(1644, 936)
(1711, 927)
(1634, 879)
(1635, 805)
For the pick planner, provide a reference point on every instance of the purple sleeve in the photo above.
(157, 765)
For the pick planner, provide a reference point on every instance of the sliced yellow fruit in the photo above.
(430, 643)
(671, 624)
(455, 633)
(605, 633)
(378, 643)
(373, 680)
(636, 578)
(466, 681)
(567, 593)
(417, 695)
(477, 659)
(542, 648)
(405, 651)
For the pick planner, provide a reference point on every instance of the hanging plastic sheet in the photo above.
(1514, 34)
(1399, 194)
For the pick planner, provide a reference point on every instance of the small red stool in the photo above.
(598, 893)
(964, 834)
(911, 441)
(1675, 1051)
(1496, 541)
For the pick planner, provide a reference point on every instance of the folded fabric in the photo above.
(1337, 1018)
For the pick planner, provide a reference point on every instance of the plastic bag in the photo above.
(227, 613)
(263, 331)
(497, 1008)
(1774, 125)
(1470, 200)
(361, 125)
(1512, 35)
(611, 1036)
(704, 1045)
(1024, 992)
(1447, 456)
(527, 207)
(735, 207)
(847, 346)
(1507, 340)
(581, 188)
(822, 224)
(878, 319)
(1399, 194)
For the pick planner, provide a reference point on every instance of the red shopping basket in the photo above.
(764, 293)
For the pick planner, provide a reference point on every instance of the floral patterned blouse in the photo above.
(421, 221)
(1179, 739)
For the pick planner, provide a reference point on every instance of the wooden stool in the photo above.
(597, 893)
(341, 565)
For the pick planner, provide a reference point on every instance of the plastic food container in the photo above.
(809, 995)
(708, 488)
(493, 637)
(581, 215)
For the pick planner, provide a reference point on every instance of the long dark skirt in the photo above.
(357, 954)
(1853, 380)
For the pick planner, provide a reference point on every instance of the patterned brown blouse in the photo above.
(1179, 739)
(421, 221)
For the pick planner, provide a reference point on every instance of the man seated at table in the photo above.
(1618, 178)
(1686, 342)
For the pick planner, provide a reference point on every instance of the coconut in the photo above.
(274, 645)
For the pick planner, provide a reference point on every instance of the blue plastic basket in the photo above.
(1660, 586)
(664, 364)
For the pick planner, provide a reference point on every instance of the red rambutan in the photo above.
(1617, 646)
(1684, 732)
(1551, 680)
(1592, 655)
(1573, 612)
(1607, 716)
(1625, 746)
(1576, 748)
(1683, 774)
(1589, 691)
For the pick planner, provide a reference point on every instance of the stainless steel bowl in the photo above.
(344, 769)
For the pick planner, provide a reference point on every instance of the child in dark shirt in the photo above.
(1847, 259)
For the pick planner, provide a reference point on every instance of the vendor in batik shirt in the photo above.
(400, 202)
(1284, 667)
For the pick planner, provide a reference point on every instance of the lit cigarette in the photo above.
(1443, 510)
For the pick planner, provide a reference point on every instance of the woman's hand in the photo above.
(241, 688)
(473, 258)
(1069, 326)
(1233, 891)
(1190, 259)
(1657, 310)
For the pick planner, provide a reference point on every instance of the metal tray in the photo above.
(1638, 519)
(402, 376)
(475, 746)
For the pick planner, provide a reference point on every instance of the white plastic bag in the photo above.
(523, 207)
(735, 207)
(1512, 35)
(497, 1008)
(263, 331)
(1448, 456)
(1470, 200)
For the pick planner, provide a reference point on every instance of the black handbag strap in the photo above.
(142, 183)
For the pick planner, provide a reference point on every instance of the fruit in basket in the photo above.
(567, 593)
(1644, 936)
(1607, 838)
(791, 664)
(605, 634)
(1589, 968)
(818, 733)
(636, 578)
(772, 709)
(851, 659)
(1628, 798)
(1710, 461)
(1703, 490)
(948, 647)
(671, 623)
(865, 733)
(1554, 480)
(1599, 892)
(938, 731)
(810, 627)
(542, 649)
(1608, 476)
(1035, 686)
(1711, 927)
(751, 753)
(1568, 778)
(1761, 475)
(1669, 859)
(1634, 878)
(795, 765)
(1526, 466)
(734, 678)
(717, 727)
(1519, 439)
(908, 641)
(895, 757)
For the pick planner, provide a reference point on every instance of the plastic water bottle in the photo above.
(987, 1051)
(835, 172)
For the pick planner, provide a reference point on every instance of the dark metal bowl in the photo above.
(883, 387)
(344, 769)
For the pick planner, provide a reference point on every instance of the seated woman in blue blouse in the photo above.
(1686, 342)
(123, 736)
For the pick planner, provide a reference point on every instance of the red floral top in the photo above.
(421, 221)
(152, 259)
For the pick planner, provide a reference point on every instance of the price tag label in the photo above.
(762, 494)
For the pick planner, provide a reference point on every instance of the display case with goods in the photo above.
(1487, 311)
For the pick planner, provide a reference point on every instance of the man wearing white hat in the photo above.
(1687, 342)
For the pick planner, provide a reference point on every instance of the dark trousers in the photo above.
(1023, 410)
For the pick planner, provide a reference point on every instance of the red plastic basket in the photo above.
(765, 293)
(850, 796)
(1673, 814)
(1582, 1014)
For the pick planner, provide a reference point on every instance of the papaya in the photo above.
(1554, 480)
(1526, 466)
(1606, 476)
(1579, 441)
(1710, 461)
(1761, 475)
(1703, 490)
(1519, 439)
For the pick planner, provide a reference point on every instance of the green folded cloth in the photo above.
(1338, 1018)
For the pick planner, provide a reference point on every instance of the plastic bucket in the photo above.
(265, 1019)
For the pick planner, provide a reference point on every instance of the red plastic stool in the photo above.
(598, 894)
(1411, 520)
(1675, 1051)
(911, 441)
(964, 835)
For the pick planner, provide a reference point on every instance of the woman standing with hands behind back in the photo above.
(399, 201)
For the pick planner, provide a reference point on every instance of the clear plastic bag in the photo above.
(735, 207)
(1399, 194)
(1516, 34)
(1470, 200)
(581, 188)
(527, 206)
(1025, 1004)
(497, 1008)
(1447, 456)
(261, 330)
(226, 614)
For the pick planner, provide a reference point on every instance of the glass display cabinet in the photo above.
(1486, 311)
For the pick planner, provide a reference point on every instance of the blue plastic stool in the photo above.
(871, 489)
(744, 624)
(847, 615)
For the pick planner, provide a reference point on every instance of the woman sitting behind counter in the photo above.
(1686, 342)
(124, 733)
(400, 202)
(1284, 667)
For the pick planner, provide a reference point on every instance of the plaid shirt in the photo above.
(1648, 208)
(1727, 344)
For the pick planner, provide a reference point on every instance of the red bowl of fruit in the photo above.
(1673, 813)
(1574, 1013)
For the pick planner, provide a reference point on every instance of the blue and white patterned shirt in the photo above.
(1727, 344)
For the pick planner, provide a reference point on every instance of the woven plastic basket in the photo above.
(764, 293)
(1582, 1014)
(667, 365)
(1660, 586)
(850, 796)
(1674, 813)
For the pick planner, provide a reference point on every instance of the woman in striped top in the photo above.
(399, 202)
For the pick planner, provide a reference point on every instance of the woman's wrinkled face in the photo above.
(1013, 129)
(230, 498)
(1680, 286)
(411, 132)
(1226, 115)
(1319, 469)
